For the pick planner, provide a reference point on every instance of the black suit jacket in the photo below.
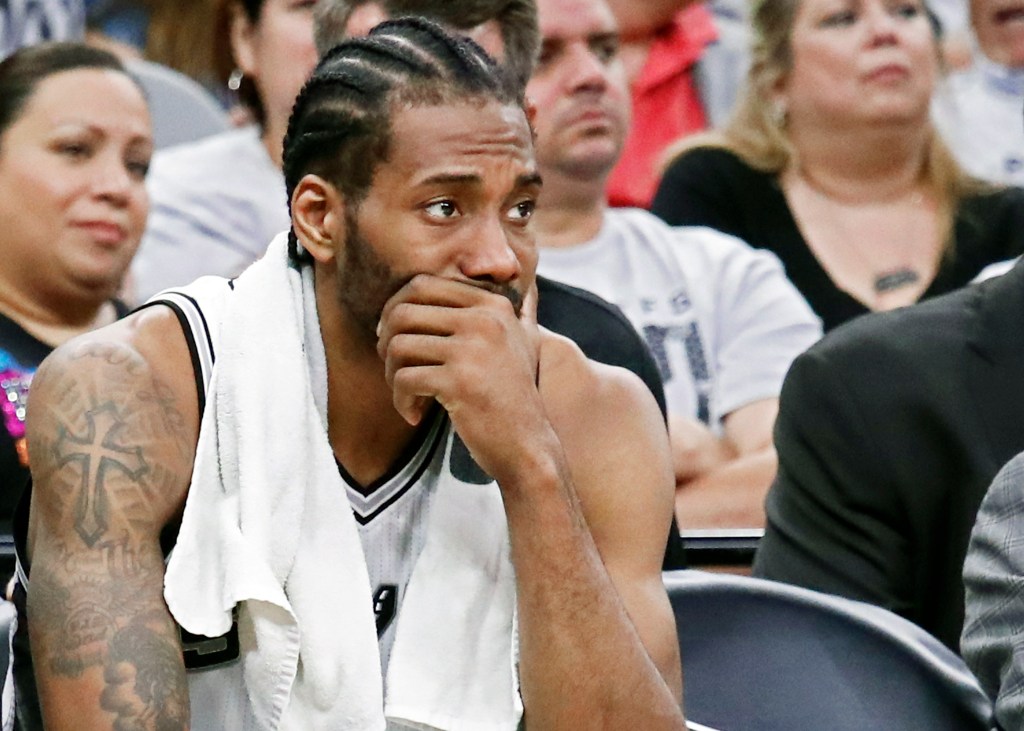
(889, 433)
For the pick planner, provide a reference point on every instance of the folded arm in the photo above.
(721, 481)
(111, 457)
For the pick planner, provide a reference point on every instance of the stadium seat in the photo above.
(763, 656)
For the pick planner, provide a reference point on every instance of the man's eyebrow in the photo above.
(451, 179)
(527, 180)
(523, 181)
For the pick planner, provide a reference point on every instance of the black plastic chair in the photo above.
(763, 656)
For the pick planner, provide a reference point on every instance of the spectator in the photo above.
(684, 67)
(832, 162)
(992, 577)
(74, 148)
(722, 320)
(978, 109)
(216, 203)
(28, 22)
(889, 432)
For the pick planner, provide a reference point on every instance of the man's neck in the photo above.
(366, 433)
(568, 215)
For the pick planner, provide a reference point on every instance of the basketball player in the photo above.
(424, 391)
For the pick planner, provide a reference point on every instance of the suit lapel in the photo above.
(995, 360)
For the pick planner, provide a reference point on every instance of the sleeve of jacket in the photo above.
(834, 523)
(993, 637)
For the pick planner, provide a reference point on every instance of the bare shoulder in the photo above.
(615, 441)
(572, 385)
(112, 425)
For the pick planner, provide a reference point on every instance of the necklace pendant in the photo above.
(895, 279)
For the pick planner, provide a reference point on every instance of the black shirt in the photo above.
(713, 187)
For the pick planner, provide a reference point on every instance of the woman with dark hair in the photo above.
(75, 143)
(220, 200)
(832, 162)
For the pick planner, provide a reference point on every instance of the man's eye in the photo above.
(442, 209)
(522, 211)
(606, 49)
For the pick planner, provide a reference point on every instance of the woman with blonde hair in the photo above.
(831, 161)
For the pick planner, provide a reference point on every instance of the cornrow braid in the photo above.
(340, 127)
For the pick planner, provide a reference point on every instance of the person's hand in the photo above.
(462, 344)
(695, 448)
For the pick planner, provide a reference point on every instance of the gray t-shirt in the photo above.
(721, 319)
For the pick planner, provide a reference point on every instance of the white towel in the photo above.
(267, 528)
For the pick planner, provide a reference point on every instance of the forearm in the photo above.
(106, 652)
(566, 599)
(730, 495)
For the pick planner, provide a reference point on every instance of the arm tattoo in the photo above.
(111, 458)
(98, 451)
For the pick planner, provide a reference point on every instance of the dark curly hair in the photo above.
(340, 128)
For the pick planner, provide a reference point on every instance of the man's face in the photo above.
(579, 89)
(453, 199)
(999, 28)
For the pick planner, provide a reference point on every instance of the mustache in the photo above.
(507, 291)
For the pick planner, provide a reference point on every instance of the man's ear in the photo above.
(318, 217)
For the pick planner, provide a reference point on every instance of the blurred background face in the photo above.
(72, 182)
(859, 60)
(579, 89)
(277, 53)
(999, 27)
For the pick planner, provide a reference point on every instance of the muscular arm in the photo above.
(722, 481)
(585, 475)
(620, 484)
(112, 450)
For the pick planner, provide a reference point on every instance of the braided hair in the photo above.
(340, 127)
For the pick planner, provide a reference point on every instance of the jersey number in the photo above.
(385, 600)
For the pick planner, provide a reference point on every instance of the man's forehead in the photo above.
(568, 19)
(453, 138)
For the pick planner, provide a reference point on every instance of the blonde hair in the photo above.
(756, 130)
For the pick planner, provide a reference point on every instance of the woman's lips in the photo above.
(103, 232)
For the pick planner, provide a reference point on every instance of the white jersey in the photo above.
(391, 515)
(720, 318)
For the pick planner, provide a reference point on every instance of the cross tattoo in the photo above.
(98, 451)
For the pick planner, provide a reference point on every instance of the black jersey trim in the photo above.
(428, 457)
(193, 348)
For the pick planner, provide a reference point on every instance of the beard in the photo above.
(366, 282)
